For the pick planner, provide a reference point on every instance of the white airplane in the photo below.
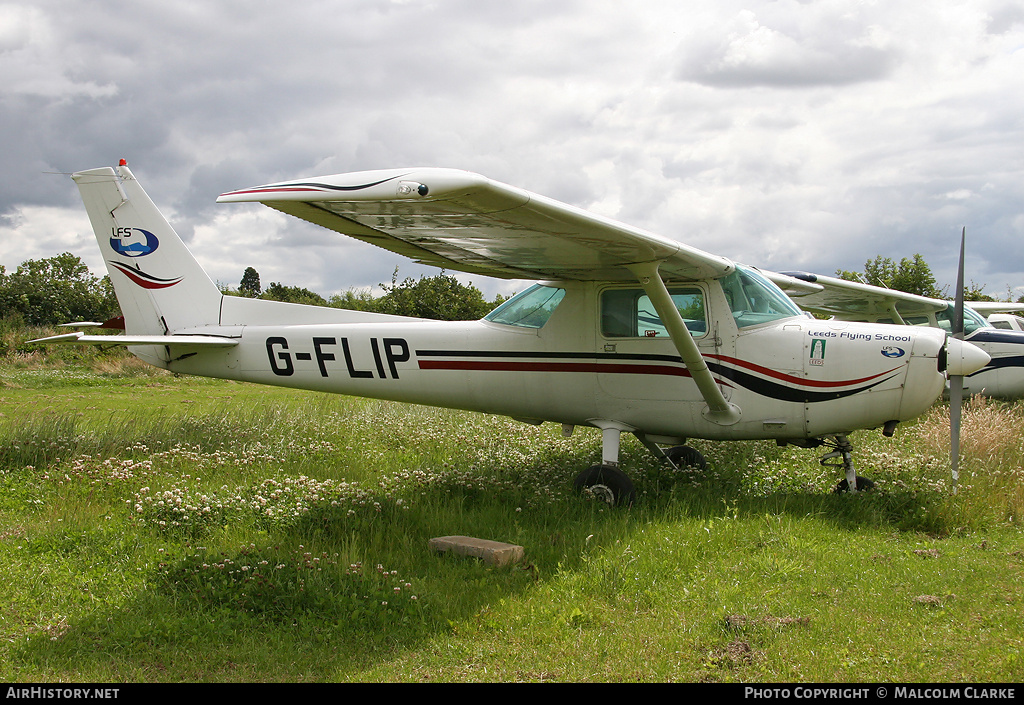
(1006, 321)
(626, 331)
(1000, 314)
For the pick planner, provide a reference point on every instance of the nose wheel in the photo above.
(844, 451)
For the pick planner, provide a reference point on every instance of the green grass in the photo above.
(156, 528)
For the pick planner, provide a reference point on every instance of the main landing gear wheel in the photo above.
(608, 484)
(686, 458)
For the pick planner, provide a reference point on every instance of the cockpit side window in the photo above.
(530, 309)
(629, 313)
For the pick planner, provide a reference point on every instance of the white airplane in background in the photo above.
(1001, 378)
(1000, 314)
(626, 331)
(1005, 321)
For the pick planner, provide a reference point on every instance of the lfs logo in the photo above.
(133, 242)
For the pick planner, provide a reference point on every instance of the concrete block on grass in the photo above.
(493, 552)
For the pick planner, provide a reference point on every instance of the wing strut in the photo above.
(895, 313)
(719, 410)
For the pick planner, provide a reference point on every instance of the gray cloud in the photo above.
(777, 133)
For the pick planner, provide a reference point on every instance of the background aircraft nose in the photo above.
(964, 358)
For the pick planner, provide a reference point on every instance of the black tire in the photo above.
(863, 485)
(686, 458)
(608, 484)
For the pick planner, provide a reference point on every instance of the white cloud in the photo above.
(825, 46)
(39, 232)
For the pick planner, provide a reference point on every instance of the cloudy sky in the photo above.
(784, 134)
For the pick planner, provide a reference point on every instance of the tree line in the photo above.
(440, 297)
(61, 289)
(55, 290)
(914, 276)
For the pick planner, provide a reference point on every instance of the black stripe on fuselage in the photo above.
(747, 380)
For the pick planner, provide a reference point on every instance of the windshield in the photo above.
(972, 319)
(754, 299)
(530, 309)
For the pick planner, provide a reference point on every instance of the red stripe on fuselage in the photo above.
(637, 369)
(597, 367)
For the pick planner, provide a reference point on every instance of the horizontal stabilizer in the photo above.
(190, 340)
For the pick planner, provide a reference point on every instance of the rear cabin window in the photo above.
(629, 313)
(530, 309)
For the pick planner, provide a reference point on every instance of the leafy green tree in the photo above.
(973, 292)
(55, 290)
(250, 284)
(353, 300)
(912, 275)
(440, 297)
(293, 294)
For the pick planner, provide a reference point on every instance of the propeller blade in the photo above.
(958, 305)
(956, 382)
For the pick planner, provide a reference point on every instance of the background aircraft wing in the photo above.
(462, 221)
(794, 286)
(850, 300)
(987, 307)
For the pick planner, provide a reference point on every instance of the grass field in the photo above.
(157, 528)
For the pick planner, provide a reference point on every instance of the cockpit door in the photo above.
(639, 358)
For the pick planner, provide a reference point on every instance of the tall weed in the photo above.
(17, 353)
(992, 457)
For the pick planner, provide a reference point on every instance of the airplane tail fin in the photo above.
(159, 284)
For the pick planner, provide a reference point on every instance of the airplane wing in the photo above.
(987, 307)
(466, 222)
(853, 300)
(794, 286)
